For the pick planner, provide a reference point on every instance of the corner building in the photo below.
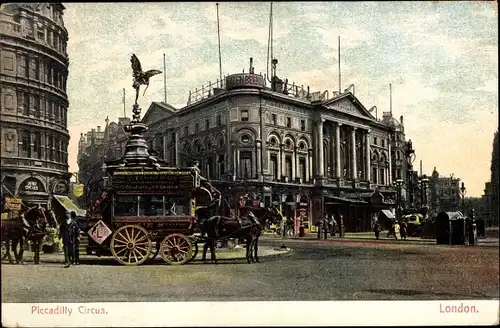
(34, 104)
(316, 155)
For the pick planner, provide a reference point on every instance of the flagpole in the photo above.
(218, 36)
(124, 111)
(340, 83)
(165, 78)
(390, 98)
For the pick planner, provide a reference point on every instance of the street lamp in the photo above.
(423, 194)
(463, 191)
(399, 185)
(410, 158)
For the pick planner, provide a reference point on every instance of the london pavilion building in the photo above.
(313, 154)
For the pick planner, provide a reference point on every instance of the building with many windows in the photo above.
(34, 104)
(314, 154)
(444, 193)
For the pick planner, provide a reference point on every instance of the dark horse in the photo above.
(32, 227)
(248, 227)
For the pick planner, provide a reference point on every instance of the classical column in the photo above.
(354, 174)
(235, 158)
(321, 160)
(294, 162)
(176, 148)
(368, 159)
(309, 163)
(332, 155)
(258, 159)
(389, 158)
(338, 165)
(282, 161)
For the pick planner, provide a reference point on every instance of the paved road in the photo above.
(313, 270)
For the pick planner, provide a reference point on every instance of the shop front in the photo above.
(34, 192)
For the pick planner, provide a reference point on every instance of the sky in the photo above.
(440, 57)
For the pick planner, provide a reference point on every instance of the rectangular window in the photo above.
(51, 148)
(196, 128)
(36, 106)
(219, 120)
(375, 140)
(302, 125)
(126, 205)
(246, 164)
(186, 130)
(37, 145)
(288, 167)
(20, 101)
(273, 165)
(383, 143)
(382, 176)
(288, 122)
(220, 164)
(26, 144)
(244, 115)
(33, 69)
(207, 125)
(21, 66)
(274, 119)
(27, 104)
(302, 169)
(374, 175)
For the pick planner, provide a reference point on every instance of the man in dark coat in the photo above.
(69, 231)
(76, 250)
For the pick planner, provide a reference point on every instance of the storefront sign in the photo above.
(31, 185)
(13, 204)
(163, 182)
(99, 232)
(78, 190)
(61, 188)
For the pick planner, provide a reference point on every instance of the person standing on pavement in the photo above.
(325, 227)
(377, 228)
(68, 231)
(76, 249)
(397, 235)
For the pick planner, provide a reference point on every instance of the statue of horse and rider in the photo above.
(32, 225)
(216, 222)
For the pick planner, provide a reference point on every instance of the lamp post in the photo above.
(410, 158)
(423, 194)
(399, 185)
(463, 191)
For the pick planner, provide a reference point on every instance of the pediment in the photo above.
(349, 105)
(157, 112)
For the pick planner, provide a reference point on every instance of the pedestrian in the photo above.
(397, 235)
(318, 226)
(76, 250)
(377, 228)
(325, 227)
(404, 229)
(69, 231)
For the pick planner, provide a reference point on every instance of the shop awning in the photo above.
(388, 214)
(68, 204)
(330, 200)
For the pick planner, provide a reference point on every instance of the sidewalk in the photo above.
(370, 237)
(222, 254)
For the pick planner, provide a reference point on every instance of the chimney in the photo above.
(251, 66)
(401, 120)
(98, 128)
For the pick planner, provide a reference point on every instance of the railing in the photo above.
(10, 28)
(207, 91)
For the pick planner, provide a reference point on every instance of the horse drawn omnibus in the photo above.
(145, 211)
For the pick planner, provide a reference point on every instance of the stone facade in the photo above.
(312, 155)
(34, 104)
(444, 193)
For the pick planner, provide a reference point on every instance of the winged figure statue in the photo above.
(140, 77)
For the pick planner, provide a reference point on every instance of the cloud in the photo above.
(490, 86)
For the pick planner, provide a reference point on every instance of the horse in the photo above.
(33, 227)
(248, 228)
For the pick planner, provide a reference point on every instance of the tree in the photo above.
(495, 176)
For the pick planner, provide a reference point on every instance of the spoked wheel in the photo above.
(194, 250)
(176, 249)
(131, 245)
